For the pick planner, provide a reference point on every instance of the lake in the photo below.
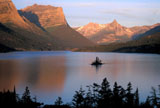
(52, 74)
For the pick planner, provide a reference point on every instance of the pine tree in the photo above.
(116, 99)
(89, 98)
(154, 97)
(159, 96)
(59, 101)
(147, 103)
(136, 98)
(105, 94)
(26, 98)
(96, 95)
(79, 99)
(129, 95)
(122, 95)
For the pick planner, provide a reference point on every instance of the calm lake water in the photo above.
(52, 74)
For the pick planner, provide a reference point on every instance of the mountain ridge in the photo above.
(148, 42)
(111, 32)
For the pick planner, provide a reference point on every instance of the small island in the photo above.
(97, 62)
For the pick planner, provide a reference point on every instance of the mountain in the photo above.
(52, 19)
(112, 32)
(5, 49)
(41, 30)
(19, 33)
(106, 33)
(147, 33)
(11, 18)
(148, 42)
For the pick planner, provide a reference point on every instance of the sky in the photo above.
(80, 12)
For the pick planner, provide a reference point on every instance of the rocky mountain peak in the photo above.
(114, 23)
(90, 29)
(44, 15)
(35, 4)
(92, 25)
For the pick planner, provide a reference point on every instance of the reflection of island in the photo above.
(45, 73)
(97, 67)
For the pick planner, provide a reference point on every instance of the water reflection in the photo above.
(9, 75)
(61, 74)
(42, 73)
(52, 73)
(97, 67)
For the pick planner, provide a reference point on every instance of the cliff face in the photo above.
(44, 16)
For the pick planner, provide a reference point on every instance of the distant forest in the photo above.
(146, 44)
(97, 96)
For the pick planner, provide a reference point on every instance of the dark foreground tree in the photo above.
(58, 101)
(105, 94)
(118, 93)
(26, 98)
(136, 98)
(89, 98)
(129, 96)
(97, 96)
(79, 99)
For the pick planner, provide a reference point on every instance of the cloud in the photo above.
(119, 13)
